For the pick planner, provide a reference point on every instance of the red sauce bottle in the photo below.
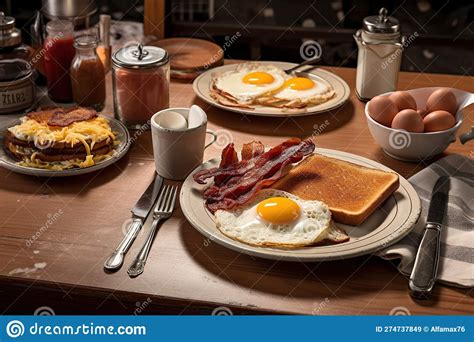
(58, 54)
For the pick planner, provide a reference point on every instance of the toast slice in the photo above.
(351, 191)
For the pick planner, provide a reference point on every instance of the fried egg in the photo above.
(303, 89)
(249, 82)
(276, 218)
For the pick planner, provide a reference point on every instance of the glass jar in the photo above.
(379, 56)
(17, 87)
(87, 74)
(58, 54)
(141, 76)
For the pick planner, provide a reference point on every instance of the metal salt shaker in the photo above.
(380, 53)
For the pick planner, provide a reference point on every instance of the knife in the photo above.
(425, 268)
(139, 213)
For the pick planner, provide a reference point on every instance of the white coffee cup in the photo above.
(178, 149)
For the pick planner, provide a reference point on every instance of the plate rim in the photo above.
(315, 71)
(30, 171)
(286, 254)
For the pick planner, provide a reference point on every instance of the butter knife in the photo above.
(425, 268)
(139, 213)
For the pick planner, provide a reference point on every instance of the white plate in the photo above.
(121, 149)
(201, 89)
(394, 219)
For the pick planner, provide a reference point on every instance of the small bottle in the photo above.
(58, 54)
(87, 74)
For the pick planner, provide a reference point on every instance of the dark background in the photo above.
(274, 30)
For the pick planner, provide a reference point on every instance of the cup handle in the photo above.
(214, 138)
(465, 137)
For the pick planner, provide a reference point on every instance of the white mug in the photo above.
(178, 150)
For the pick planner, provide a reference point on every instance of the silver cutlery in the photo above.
(163, 210)
(425, 268)
(306, 62)
(139, 213)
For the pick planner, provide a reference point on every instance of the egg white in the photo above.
(244, 224)
(289, 94)
(231, 82)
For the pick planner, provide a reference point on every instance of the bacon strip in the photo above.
(228, 157)
(244, 166)
(71, 115)
(252, 149)
(245, 178)
(63, 117)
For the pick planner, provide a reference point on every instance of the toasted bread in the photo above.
(351, 191)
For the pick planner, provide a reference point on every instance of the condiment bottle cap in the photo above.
(381, 23)
(9, 34)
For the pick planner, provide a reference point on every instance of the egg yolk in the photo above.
(299, 83)
(258, 78)
(278, 210)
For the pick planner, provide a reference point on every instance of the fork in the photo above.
(306, 62)
(163, 210)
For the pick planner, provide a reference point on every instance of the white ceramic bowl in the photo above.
(410, 146)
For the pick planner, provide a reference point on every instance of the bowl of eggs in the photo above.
(416, 124)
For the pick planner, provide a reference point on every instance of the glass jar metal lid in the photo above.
(9, 34)
(140, 57)
(381, 23)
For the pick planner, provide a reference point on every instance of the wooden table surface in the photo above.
(79, 221)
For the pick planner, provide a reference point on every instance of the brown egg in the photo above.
(408, 120)
(442, 99)
(382, 110)
(439, 120)
(422, 112)
(403, 100)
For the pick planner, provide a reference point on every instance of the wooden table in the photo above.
(186, 273)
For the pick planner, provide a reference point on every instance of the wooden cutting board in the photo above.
(190, 54)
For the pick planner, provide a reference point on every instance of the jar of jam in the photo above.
(141, 77)
(87, 74)
(17, 88)
(58, 54)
